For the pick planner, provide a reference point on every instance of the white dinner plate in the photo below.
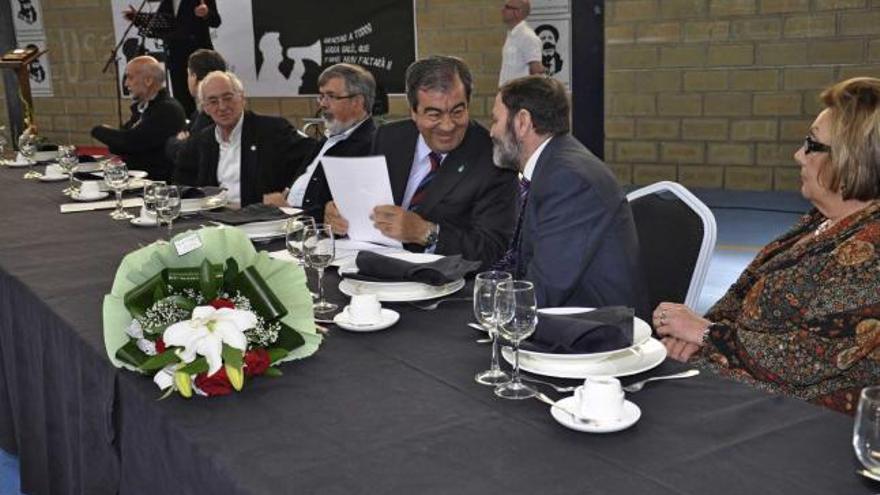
(389, 318)
(16, 163)
(52, 178)
(134, 174)
(95, 197)
(260, 231)
(641, 334)
(399, 291)
(143, 222)
(633, 361)
(629, 416)
(195, 205)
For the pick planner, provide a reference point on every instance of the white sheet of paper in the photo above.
(358, 185)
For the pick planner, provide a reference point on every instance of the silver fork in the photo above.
(635, 387)
(554, 386)
(435, 304)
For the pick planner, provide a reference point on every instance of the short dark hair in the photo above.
(548, 27)
(203, 62)
(358, 81)
(543, 97)
(437, 73)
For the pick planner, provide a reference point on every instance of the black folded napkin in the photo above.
(375, 267)
(47, 147)
(251, 213)
(601, 330)
(86, 158)
(87, 176)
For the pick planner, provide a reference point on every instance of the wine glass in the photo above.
(27, 145)
(167, 205)
(68, 161)
(294, 231)
(866, 429)
(319, 250)
(150, 189)
(116, 178)
(485, 286)
(516, 314)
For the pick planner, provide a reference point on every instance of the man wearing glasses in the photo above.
(521, 54)
(449, 198)
(246, 153)
(345, 98)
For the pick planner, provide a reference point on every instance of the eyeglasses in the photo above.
(214, 101)
(813, 146)
(331, 97)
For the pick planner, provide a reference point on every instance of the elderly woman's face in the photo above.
(813, 161)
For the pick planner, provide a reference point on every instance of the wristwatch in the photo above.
(433, 235)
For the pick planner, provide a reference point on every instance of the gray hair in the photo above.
(436, 73)
(237, 86)
(358, 81)
(149, 67)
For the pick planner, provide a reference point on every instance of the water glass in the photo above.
(27, 145)
(167, 205)
(866, 429)
(150, 189)
(319, 250)
(68, 160)
(294, 231)
(116, 178)
(485, 287)
(516, 315)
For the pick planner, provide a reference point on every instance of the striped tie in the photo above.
(422, 191)
(508, 262)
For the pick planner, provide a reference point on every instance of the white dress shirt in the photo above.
(521, 47)
(229, 162)
(529, 169)
(421, 166)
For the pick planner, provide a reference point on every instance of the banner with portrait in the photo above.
(27, 20)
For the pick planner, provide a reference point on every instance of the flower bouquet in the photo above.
(204, 320)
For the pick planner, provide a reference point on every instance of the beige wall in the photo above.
(711, 93)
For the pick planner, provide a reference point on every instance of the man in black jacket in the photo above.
(346, 95)
(248, 154)
(449, 197)
(154, 118)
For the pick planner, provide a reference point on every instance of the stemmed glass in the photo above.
(294, 231)
(517, 315)
(485, 286)
(866, 430)
(68, 161)
(150, 189)
(116, 178)
(319, 250)
(27, 145)
(167, 205)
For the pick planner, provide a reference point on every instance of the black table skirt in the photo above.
(395, 411)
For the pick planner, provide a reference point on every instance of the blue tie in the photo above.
(419, 196)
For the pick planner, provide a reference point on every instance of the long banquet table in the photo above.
(395, 411)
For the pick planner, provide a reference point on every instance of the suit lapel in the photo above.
(400, 159)
(248, 159)
(452, 170)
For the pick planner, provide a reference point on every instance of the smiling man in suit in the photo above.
(575, 237)
(449, 198)
(246, 153)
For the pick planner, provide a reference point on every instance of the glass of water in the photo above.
(294, 231)
(68, 160)
(150, 189)
(319, 250)
(517, 314)
(866, 430)
(485, 290)
(27, 145)
(167, 205)
(116, 178)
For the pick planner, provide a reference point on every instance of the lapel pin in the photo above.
(461, 168)
(253, 147)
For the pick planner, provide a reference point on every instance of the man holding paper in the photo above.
(449, 197)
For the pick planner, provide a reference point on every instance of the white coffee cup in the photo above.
(364, 309)
(54, 170)
(600, 398)
(89, 189)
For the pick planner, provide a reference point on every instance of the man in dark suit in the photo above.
(189, 31)
(248, 154)
(449, 198)
(575, 237)
(155, 117)
(346, 95)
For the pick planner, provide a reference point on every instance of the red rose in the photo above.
(256, 362)
(222, 303)
(216, 384)
(160, 346)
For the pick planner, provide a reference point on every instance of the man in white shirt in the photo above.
(346, 93)
(247, 154)
(521, 55)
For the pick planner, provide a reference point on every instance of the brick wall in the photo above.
(719, 93)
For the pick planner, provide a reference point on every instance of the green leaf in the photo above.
(272, 371)
(160, 361)
(264, 302)
(199, 365)
(289, 338)
(130, 354)
(183, 302)
(168, 392)
(231, 272)
(276, 353)
(209, 280)
(232, 356)
(139, 299)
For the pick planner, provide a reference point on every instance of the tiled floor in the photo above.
(746, 221)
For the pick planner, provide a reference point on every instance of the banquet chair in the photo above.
(677, 234)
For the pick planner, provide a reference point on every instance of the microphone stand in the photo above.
(114, 61)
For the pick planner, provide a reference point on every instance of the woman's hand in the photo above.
(679, 349)
(677, 320)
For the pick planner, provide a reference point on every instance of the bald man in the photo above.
(155, 117)
(521, 55)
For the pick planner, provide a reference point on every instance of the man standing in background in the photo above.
(521, 55)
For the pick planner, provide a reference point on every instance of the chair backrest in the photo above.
(677, 235)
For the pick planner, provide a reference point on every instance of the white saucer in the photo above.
(79, 197)
(631, 414)
(389, 317)
(52, 178)
(16, 163)
(143, 222)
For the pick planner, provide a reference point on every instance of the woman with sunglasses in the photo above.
(803, 319)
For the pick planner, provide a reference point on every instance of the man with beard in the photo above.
(345, 97)
(155, 117)
(247, 154)
(575, 237)
(448, 196)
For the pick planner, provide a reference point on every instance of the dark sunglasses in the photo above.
(813, 146)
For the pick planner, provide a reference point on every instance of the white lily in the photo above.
(207, 331)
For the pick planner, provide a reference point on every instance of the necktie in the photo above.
(421, 191)
(508, 262)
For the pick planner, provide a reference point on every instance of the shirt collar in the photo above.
(519, 27)
(529, 169)
(346, 133)
(422, 150)
(234, 136)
